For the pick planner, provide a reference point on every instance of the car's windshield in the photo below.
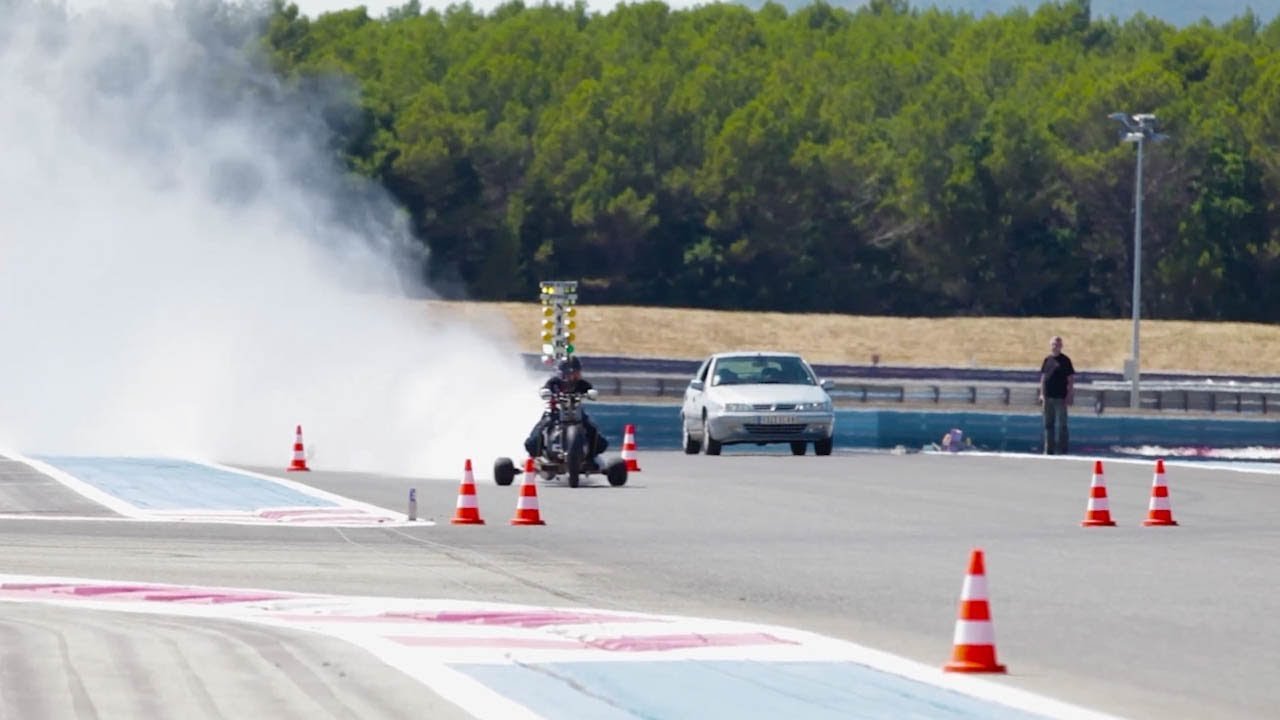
(767, 369)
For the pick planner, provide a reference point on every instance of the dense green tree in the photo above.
(886, 159)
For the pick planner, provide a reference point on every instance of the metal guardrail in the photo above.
(661, 367)
(1022, 396)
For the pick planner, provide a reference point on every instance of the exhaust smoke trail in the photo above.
(185, 271)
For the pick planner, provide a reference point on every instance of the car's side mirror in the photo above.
(827, 385)
(696, 385)
(592, 394)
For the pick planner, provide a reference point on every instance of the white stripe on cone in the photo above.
(975, 632)
(975, 588)
(467, 498)
(527, 502)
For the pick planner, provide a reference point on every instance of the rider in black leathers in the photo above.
(570, 380)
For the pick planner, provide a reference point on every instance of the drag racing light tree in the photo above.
(559, 323)
(1138, 129)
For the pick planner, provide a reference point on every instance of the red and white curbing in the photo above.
(424, 637)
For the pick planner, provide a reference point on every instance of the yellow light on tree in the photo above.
(558, 312)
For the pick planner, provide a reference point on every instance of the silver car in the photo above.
(758, 398)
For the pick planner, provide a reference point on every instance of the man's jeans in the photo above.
(1056, 435)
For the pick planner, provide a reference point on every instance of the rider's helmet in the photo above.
(566, 368)
(575, 364)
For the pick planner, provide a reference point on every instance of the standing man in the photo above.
(1057, 390)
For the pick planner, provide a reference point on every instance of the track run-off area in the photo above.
(746, 585)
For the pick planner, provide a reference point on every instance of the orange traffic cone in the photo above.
(974, 645)
(1098, 512)
(629, 448)
(1159, 512)
(527, 512)
(468, 510)
(299, 456)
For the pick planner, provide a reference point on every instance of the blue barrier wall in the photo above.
(658, 428)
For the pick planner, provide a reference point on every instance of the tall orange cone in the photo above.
(299, 463)
(974, 645)
(1098, 512)
(468, 510)
(527, 512)
(1159, 511)
(629, 449)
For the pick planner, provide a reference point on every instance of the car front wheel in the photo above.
(823, 447)
(691, 446)
(712, 445)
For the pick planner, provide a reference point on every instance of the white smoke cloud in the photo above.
(183, 270)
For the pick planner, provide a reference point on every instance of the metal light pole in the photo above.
(1138, 129)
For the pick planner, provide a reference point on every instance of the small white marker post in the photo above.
(413, 504)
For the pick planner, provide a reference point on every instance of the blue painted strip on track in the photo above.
(163, 484)
(742, 690)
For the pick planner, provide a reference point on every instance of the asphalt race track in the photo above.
(1168, 622)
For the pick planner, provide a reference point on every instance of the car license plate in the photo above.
(777, 419)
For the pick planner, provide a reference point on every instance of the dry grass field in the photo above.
(1098, 345)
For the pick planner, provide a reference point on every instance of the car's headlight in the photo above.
(822, 405)
(737, 407)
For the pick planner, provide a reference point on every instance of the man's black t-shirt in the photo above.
(1056, 369)
(558, 384)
